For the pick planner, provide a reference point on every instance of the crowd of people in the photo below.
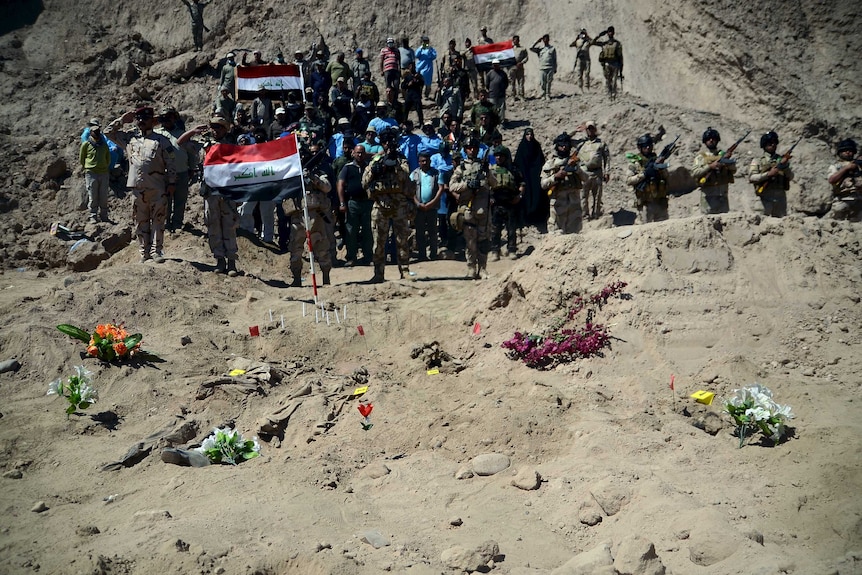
(379, 190)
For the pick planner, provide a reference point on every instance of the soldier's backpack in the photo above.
(609, 52)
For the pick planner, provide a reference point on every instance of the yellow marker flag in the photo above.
(360, 390)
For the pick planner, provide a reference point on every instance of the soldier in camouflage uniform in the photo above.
(563, 179)
(220, 213)
(596, 158)
(713, 175)
(648, 182)
(471, 185)
(152, 177)
(387, 181)
(505, 198)
(770, 177)
(319, 207)
(846, 180)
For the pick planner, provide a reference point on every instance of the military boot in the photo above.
(378, 273)
(325, 273)
(231, 269)
(221, 266)
(296, 271)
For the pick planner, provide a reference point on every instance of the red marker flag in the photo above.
(360, 330)
(476, 328)
(254, 331)
(671, 382)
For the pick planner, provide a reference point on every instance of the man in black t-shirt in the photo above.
(354, 202)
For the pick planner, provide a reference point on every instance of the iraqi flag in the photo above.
(485, 54)
(270, 171)
(276, 79)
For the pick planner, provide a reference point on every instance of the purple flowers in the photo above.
(562, 345)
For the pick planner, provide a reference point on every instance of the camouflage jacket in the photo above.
(758, 174)
(851, 186)
(707, 177)
(151, 157)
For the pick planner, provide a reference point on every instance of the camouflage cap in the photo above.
(145, 113)
(219, 121)
(94, 123)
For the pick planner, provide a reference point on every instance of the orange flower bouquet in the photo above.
(108, 342)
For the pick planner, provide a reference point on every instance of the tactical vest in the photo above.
(610, 52)
(390, 183)
(712, 178)
(851, 186)
(572, 180)
(778, 184)
(649, 191)
(507, 188)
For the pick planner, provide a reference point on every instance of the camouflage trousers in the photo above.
(399, 214)
(477, 235)
(222, 220)
(319, 240)
(177, 202)
(612, 72)
(582, 65)
(713, 200)
(566, 215)
(593, 188)
(149, 211)
(847, 208)
(546, 81)
(654, 211)
(516, 81)
(773, 203)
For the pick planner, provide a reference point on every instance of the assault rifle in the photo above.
(782, 164)
(727, 158)
(656, 164)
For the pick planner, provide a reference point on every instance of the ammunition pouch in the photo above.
(456, 218)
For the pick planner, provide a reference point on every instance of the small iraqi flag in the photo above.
(485, 54)
(271, 171)
(276, 79)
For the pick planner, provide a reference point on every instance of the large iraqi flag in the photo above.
(484, 54)
(271, 171)
(276, 79)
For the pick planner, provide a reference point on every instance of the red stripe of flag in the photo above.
(265, 152)
(268, 71)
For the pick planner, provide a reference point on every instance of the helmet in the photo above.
(845, 145)
(472, 143)
(644, 141)
(563, 140)
(386, 137)
(769, 137)
(711, 134)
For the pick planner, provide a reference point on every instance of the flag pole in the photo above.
(308, 234)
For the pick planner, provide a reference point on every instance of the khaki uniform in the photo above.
(846, 194)
(151, 170)
(516, 72)
(472, 71)
(651, 198)
(565, 210)
(547, 67)
(392, 193)
(475, 205)
(583, 61)
(611, 58)
(714, 185)
(317, 188)
(595, 157)
(772, 192)
(183, 159)
(222, 220)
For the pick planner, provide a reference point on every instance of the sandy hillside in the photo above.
(605, 470)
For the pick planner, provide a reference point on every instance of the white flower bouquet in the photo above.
(76, 389)
(753, 409)
(228, 446)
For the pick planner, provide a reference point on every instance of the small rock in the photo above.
(375, 539)
(87, 530)
(152, 515)
(39, 507)
(636, 556)
(470, 560)
(321, 545)
(185, 340)
(755, 536)
(456, 522)
(527, 479)
(9, 365)
(489, 463)
(808, 372)
(13, 474)
(376, 470)
(589, 516)
(465, 472)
